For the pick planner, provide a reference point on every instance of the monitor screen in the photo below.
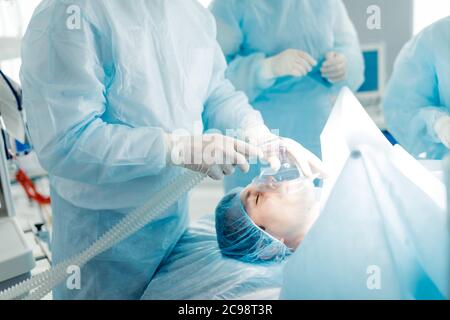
(372, 74)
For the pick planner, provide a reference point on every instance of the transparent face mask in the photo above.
(287, 180)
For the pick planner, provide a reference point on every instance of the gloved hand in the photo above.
(307, 162)
(212, 154)
(310, 165)
(334, 69)
(291, 62)
(442, 128)
(258, 136)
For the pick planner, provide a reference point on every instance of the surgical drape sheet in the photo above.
(197, 270)
(383, 231)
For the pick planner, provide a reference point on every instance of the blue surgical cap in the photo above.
(240, 238)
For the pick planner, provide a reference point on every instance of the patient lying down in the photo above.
(261, 225)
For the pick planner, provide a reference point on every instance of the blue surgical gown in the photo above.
(102, 81)
(252, 30)
(418, 93)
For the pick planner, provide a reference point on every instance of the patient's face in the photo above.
(287, 217)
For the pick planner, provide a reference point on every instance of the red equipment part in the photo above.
(30, 188)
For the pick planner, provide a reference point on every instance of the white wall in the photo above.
(428, 11)
(10, 20)
(13, 23)
(205, 2)
(15, 16)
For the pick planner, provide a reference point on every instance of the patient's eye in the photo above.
(262, 228)
(257, 198)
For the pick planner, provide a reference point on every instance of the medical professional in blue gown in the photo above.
(290, 57)
(106, 83)
(417, 101)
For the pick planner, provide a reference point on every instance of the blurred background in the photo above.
(400, 20)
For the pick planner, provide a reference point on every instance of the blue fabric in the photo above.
(240, 238)
(251, 30)
(124, 271)
(418, 92)
(385, 239)
(196, 270)
(99, 98)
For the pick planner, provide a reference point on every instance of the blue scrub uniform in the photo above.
(418, 93)
(252, 30)
(102, 81)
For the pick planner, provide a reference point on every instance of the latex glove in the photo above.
(334, 69)
(259, 136)
(212, 154)
(291, 62)
(442, 128)
(310, 165)
(306, 161)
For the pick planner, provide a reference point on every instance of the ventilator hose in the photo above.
(43, 283)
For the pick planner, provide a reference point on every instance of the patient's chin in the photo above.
(294, 244)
